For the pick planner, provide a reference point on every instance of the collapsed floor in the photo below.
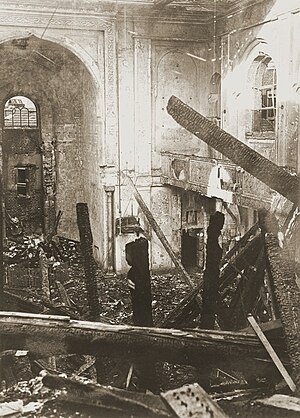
(197, 329)
(67, 296)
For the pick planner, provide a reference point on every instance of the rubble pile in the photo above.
(25, 250)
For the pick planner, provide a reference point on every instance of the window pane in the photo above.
(20, 112)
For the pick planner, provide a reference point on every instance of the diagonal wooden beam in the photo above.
(272, 175)
(156, 228)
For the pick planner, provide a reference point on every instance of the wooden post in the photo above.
(212, 271)
(140, 289)
(159, 232)
(139, 275)
(86, 244)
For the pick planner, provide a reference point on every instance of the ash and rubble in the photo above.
(29, 396)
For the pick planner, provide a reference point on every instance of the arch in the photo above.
(263, 95)
(172, 51)
(66, 122)
(63, 41)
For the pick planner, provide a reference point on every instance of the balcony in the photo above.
(214, 178)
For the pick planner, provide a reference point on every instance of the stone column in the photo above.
(109, 190)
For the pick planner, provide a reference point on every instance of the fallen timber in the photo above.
(108, 400)
(281, 269)
(269, 173)
(161, 236)
(44, 335)
(243, 255)
(186, 401)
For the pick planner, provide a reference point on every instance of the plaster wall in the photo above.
(156, 60)
(272, 28)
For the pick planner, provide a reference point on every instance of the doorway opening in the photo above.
(192, 249)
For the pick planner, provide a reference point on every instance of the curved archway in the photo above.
(66, 94)
(63, 41)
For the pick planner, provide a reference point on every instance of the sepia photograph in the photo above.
(149, 208)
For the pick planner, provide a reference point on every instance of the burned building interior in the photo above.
(150, 233)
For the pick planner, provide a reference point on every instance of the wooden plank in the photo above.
(289, 403)
(278, 363)
(241, 243)
(121, 402)
(274, 325)
(156, 228)
(44, 337)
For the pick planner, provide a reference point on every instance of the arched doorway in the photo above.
(22, 167)
(67, 135)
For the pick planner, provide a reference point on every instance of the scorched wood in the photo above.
(86, 246)
(254, 163)
(161, 236)
(45, 335)
(116, 402)
(212, 271)
(282, 272)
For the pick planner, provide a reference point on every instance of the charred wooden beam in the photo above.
(243, 259)
(139, 280)
(86, 245)
(240, 244)
(212, 271)
(21, 304)
(184, 312)
(162, 3)
(140, 283)
(45, 336)
(156, 228)
(254, 163)
(282, 271)
(234, 317)
(272, 353)
(112, 401)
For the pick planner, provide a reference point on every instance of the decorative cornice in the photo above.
(46, 19)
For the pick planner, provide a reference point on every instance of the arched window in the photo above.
(20, 112)
(265, 84)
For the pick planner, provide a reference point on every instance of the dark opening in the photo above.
(22, 181)
(189, 248)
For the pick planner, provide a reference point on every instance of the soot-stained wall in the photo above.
(52, 77)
